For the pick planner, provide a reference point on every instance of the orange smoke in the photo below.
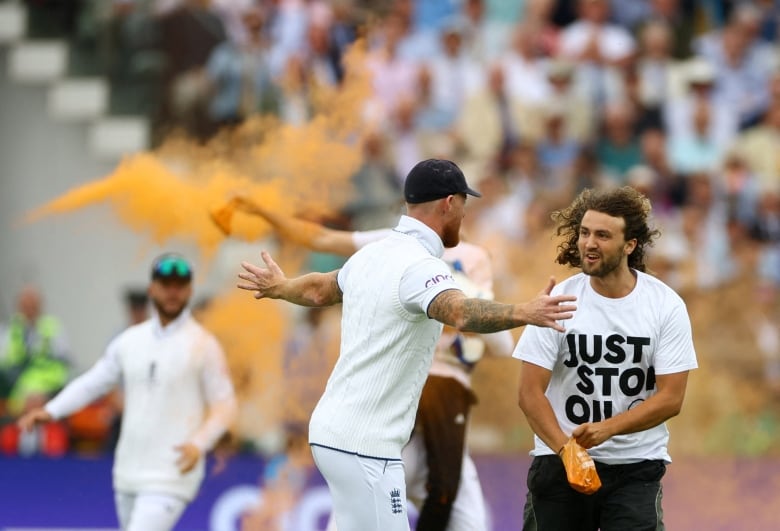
(169, 193)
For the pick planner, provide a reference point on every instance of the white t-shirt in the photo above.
(607, 360)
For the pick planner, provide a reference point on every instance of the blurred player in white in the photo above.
(178, 397)
(441, 479)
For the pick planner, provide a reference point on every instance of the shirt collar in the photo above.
(423, 233)
(173, 326)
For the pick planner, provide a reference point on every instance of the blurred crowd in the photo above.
(534, 99)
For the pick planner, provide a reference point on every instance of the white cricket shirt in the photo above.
(170, 376)
(387, 342)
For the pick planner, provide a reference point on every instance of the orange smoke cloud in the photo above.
(169, 193)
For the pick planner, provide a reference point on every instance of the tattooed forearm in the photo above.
(473, 315)
(484, 316)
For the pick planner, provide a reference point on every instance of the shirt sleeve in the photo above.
(422, 282)
(675, 351)
(104, 375)
(539, 346)
(220, 397)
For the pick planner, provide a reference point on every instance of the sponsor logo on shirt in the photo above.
(437, 279)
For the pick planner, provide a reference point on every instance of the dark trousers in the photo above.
(629, 498)
(442, 417)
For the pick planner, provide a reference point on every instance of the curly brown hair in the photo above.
(624, 202)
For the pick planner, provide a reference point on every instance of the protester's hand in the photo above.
(189, 454)
(244, 204)
(262, 281)
(590, 434)
(545, 310)
(36, 416)
(580, 468)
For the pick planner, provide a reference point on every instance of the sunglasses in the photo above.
(172, 266)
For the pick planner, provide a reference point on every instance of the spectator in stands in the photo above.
(678, 16)
(618, 147)
(524, 68)
(579, 115)
(655, 70)
(321, 56)
(742, 61)
(557, 153)
(597, 46)
(394, 75)
(539, 13)
(189, 33)
(240, 75)
(501, 18)
(475, 31)
(697, 151)
(377, 196)
(488, 127)
(760, 145)
(700, 90)
(453, 75)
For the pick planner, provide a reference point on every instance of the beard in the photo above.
(605, 266)
(169, 311)
(451, 236)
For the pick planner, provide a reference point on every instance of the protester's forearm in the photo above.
(309, 234)
(655, 410)
(541, 418)
(300, 231)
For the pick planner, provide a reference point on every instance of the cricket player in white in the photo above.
(178, 401)
(397, 293)
(441, 479)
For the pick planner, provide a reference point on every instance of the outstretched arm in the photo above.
(303, 232)
(312, 289)
(453, 308)
(96, 382)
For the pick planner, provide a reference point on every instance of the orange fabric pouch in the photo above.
(580, 468)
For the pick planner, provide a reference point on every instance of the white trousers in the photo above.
(468, 510)
(146, 511)
(368, 494)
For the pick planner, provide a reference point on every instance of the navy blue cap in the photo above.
(433, 179)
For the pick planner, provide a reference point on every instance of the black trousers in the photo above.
(629, 498)
(442, 417)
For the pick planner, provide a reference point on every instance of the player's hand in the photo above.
(263, 281)
(189, 455)
(591, 434)
(36, 416)
(545, 310)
